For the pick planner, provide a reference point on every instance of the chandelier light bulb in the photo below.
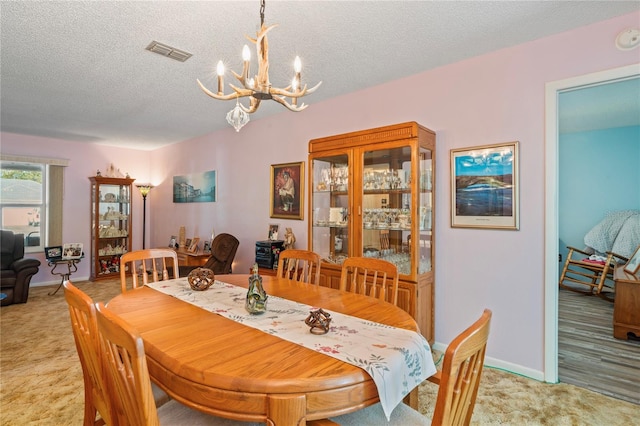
(297, 64)
(246, 53)
(220, 68)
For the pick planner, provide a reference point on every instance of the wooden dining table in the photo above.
(219, 366)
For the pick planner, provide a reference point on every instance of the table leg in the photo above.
(289, 410)
(64, 278)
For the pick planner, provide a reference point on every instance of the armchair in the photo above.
(223, 251)
(15, 270)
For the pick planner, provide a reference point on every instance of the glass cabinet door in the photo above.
(425, 212)
(386, 206)
(330, 192)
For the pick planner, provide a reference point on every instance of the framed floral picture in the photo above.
(484, 187)
(287, 190)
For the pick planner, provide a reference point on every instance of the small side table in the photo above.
(65, 274)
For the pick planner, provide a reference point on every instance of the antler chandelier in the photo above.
(259, 87)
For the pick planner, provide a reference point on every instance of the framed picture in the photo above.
(287, 190)
(484, 187)
(273, 232)
(54, 252)
(206, 247)
(187, 243)
(72, 251)
(193, 246)
(173, 241)
(195, 188)
(633, 265)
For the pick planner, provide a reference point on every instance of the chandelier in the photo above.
(259, 87)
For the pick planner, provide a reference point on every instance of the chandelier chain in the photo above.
(262, 2)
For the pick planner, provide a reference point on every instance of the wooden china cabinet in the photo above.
(372, 195)
(110, 224)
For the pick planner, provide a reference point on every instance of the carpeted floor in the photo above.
(41, 378)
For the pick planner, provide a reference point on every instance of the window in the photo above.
(31, 200)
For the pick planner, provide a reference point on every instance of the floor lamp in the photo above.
(144, 190)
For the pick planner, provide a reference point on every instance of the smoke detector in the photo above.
(628, 39)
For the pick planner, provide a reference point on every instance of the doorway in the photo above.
(552, 92)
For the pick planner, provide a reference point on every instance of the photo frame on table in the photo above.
(193, 247)
(633, 265)
(273, 231)
(187, 243)
(53, 252)
(206, 247)
(287, 190)
(72, 251)
(485, 187)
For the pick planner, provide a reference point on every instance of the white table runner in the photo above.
(398, 360)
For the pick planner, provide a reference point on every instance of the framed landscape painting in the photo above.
(195, 188)
(484, 187)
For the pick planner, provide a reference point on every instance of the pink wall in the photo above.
(493, 98)
(84, 161)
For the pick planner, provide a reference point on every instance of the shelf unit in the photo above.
(110, 224)
(372, 195)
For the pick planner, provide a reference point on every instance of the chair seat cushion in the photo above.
(402, 415)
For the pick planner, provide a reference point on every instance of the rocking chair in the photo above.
(591, 272)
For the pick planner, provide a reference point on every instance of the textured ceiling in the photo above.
(79, 70)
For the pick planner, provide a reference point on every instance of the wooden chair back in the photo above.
(126, 364)
(460, 376)
(299, 265)
(371, 277)
(85, 331)
(142, 263)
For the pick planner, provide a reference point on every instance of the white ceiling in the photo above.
(79, 70)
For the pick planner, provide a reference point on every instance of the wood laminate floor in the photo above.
(588, 354)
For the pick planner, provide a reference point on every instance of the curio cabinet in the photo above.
(110, 224)
(372, 196)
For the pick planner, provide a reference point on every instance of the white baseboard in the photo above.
(57, 282)
(503, 365)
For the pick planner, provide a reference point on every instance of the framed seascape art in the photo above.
(484, 187)
(195, 188)
(287, 186)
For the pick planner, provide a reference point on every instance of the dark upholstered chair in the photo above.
(223, 251)
(16, 270)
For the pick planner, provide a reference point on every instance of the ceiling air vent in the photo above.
(168, 51)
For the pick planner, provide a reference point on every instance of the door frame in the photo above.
(551, 249)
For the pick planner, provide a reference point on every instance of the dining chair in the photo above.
(156, 262)
(458, 383)
(83, 324)
(370, 277)
(85, 333)
(299, 265)
(126, 366)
